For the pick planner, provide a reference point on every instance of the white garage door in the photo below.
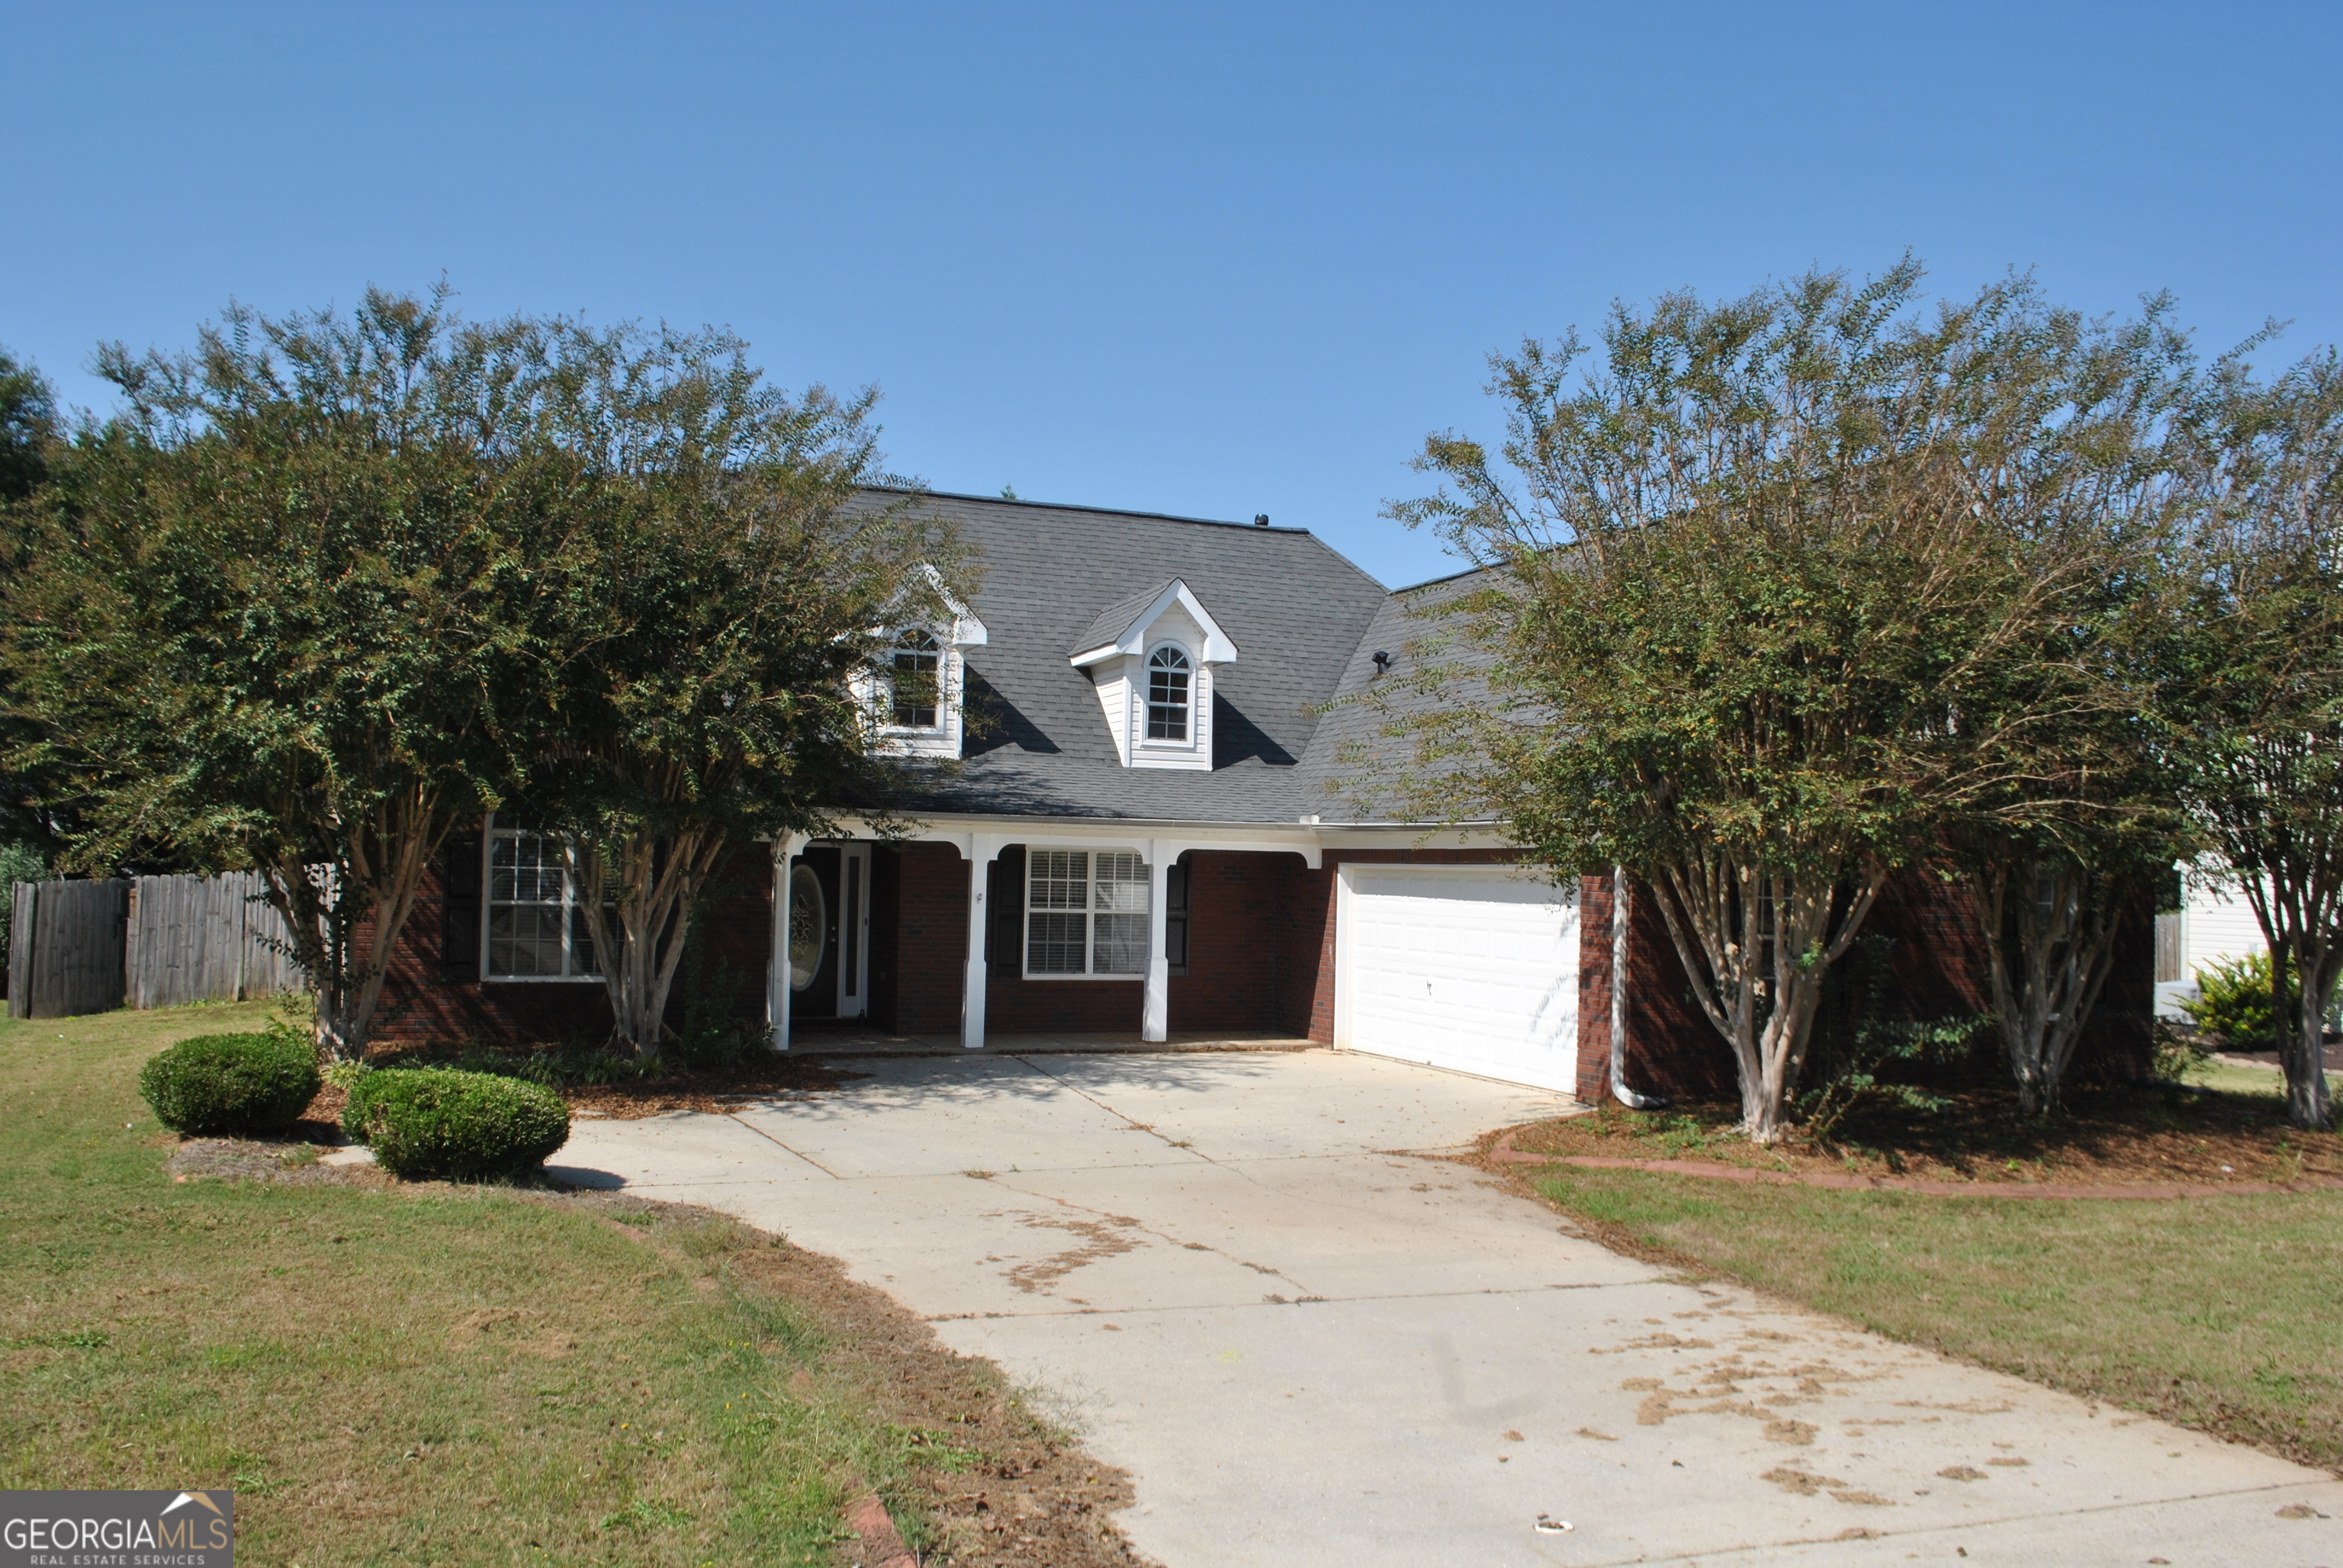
(1465, 967)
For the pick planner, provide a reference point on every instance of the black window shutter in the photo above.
(1176, 915)
(1005, 929)
(459, 908)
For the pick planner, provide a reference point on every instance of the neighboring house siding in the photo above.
(2217, 923)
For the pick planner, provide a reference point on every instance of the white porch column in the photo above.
(1155, 1009)
(980, 849)
(777, 989)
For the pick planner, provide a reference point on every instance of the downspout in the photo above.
(1619, 922)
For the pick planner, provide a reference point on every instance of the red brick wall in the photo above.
(1594, 909)
(929, 948)
(1234, 956)
(1305, 945)
(425, 1004)
(1936, 969)
(1671, 1047)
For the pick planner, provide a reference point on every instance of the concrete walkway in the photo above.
(1309, 1348)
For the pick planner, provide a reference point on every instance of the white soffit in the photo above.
(1219, 647)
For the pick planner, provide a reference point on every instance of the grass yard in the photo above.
(2217, 1312)
(436, 1374)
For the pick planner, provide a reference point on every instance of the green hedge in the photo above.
(232, 1084)
(435, 1122)
(2233, 1000)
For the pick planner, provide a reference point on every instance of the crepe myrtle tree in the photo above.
(737, 583)
(1736, 586)
(2074, 820)
(287, 612)
(2255, 689)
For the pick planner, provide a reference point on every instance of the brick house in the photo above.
(1128, 824)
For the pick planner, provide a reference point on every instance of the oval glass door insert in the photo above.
(809, 926)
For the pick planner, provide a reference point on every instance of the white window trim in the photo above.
(945, 694)
(487, 912)
(1089, 912)
(1146, 695)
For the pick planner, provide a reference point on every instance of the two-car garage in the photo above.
(1473, 968)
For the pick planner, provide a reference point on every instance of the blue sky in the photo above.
(1188, 258)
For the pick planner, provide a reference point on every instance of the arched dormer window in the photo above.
(912, 675)
(1168, 689)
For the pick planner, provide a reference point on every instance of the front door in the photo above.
(814, 919)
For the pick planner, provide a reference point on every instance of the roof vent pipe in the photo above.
(1382, 662)
(1261, 519)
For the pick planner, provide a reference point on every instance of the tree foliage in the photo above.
(1750, 572)
(288, 611)
(2255, 687)
(732, 584)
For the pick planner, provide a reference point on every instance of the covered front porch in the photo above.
(1059, 937)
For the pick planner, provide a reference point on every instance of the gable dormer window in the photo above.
(1153, 659)
(1167, 695)
(918, 674)
(912, 676)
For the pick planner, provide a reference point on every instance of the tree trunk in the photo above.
(640, 893)
(1756, 946)
(2302, 1028)
(2063, 954)
(345, 915)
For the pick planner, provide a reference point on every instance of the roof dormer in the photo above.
(1150, 658)
(917, 691)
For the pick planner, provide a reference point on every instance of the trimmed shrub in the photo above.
(232, 1084)
(2233, 1000)
(435, 1122)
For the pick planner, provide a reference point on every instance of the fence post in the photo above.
(27, 897)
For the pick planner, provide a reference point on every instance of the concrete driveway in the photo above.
(1309, 1346)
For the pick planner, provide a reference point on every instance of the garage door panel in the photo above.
(1475, 970)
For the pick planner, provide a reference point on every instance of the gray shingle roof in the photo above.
(1353, 765)
(1038, 743)
(1116, 619)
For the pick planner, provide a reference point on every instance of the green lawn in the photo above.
(420, 1376)
(2219, 1312)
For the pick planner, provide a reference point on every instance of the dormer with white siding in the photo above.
(1152, 659)
(918, 691)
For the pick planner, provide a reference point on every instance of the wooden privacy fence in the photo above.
(65, 947)
(151, 942)
(205, 938)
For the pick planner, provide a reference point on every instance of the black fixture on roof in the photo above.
(1382, 662)
(1261, 519)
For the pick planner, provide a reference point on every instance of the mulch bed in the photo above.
(2160, 1139)
(765, 1076)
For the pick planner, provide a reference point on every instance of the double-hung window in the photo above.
(536, 928)
(912, 676)
(1085, 912)
(1167, 695)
